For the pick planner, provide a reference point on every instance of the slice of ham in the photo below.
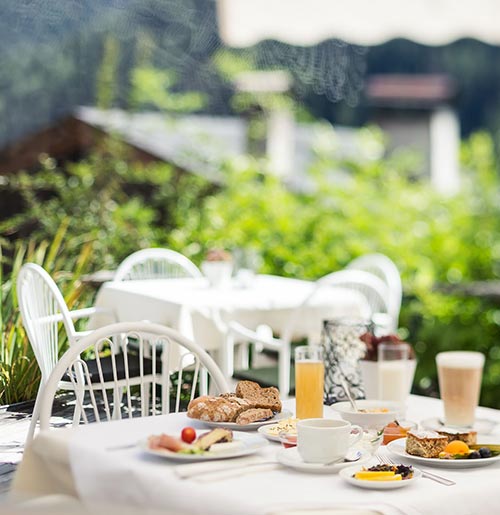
(168, 442)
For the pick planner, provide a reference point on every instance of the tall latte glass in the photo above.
(309, 381)
(460, 374)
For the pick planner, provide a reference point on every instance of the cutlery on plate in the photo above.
(429, 475)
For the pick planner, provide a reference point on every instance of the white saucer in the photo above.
(348, 473)
(290, 458)
(481, 425)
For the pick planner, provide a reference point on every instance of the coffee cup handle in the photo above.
(358, 434)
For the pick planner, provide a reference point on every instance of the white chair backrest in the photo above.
(384, 268)
(371, 287)
(42, 309)
(153, 340)
(156, 264)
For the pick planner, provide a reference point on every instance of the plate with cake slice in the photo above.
(216, 444)
(444, 450)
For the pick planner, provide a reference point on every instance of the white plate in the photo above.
(397, 447)
(249, 427)
(347, 474)
(481, 425)
(290, 458)
(248, 445)
(266, 431)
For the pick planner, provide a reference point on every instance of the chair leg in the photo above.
(145, 399)
(117, 402)
(79, 395)
(34, 417)
(203, 382)
(227, 356)
(243, 355)
(284, 370)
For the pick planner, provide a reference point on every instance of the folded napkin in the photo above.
(221, 469)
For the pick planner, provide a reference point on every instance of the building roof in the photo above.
(419, 90)
(197, 143)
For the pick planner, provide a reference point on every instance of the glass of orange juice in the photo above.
(309, 380)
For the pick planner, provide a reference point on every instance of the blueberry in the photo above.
(485, 452)
(474, 455)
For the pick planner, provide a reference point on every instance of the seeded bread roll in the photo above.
(253, 415)
(266, 398)
(217, 409)
(427, 444)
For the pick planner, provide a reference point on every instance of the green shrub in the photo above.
(19, 372)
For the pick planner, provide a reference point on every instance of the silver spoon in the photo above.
(349, 458)
(347, 391)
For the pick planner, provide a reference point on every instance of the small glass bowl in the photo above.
(396, 430)
(288, 439)
(372, 438)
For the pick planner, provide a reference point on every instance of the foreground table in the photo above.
(79, 462)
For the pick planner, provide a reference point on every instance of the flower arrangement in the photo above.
(371, 343)
(218, 255)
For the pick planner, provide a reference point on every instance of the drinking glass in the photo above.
(460, 374)
(309, 381)
(395, 371)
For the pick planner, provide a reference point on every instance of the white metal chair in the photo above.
(169, 351)
(156, 264)
(43, 309)
(374, 289)
(384, 268)
(262, 337)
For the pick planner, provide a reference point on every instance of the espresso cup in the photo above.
(323, 440)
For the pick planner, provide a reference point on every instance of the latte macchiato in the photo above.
(459, 374)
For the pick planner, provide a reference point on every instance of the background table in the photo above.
(188, 305)
(78, 462)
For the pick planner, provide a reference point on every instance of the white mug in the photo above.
(323, 440)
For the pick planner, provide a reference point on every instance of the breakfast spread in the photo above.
(250, 403)
(385, 473)
(199, 445)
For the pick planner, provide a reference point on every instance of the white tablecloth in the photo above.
(76, 460)
(188, 304)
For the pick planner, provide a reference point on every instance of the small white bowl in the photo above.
(370, 419)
